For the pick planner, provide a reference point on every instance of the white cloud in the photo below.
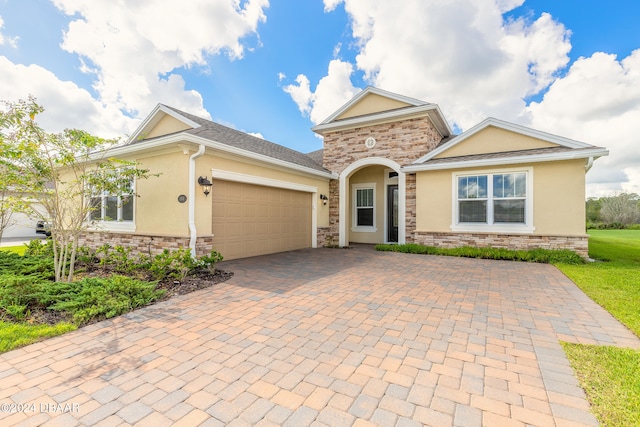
(598, 102)
(332, 91)
(461, 54)
(256, 134)
(66, 105)
(301, 93)
(330, 5)
(135, 48)
(11, 41)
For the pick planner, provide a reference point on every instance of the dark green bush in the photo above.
(18, 290)
(209, 261)
(40, 266)
(533, 255)
(95, 298)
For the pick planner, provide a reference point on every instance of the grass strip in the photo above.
(15, 249)
(14, 335)
(611, 378)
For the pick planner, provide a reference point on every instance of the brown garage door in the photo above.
(250, 220)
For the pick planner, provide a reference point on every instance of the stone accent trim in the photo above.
(145, 243)
(578, 244)
(402, 141)
(326, 237)
(332, 234)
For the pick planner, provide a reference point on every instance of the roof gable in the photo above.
(494, 139)
(371, 101)
(497, 136)
(373, 105)
(162, 121)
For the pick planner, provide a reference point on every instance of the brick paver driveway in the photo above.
(326, 337)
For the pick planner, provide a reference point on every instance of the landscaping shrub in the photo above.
(37, 247)
(18, 290)
(176, 264)
(40, 266)
(532, 255)
(209, 261)
(95, 298)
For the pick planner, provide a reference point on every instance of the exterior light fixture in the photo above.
(324, 199)
(205, 184)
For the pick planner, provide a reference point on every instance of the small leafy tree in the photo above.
(621, 209)
(61, 171)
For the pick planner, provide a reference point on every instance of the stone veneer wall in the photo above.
(578, 244)
(332, 233)
(403, 142)
(145, 244)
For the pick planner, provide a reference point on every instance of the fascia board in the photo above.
(501, 161)
(384, 116)
(501, 124)
(176, 138)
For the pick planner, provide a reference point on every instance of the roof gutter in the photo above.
(192, 199)
(589, 164)
(498, 161)
(187, 138)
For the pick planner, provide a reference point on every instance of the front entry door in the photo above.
(392, 213)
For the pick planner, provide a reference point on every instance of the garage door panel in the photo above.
(250, 220)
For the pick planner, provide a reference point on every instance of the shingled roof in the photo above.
(225, 135)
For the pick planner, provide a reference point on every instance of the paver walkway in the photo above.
(326, 337)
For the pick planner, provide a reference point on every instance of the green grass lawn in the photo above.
(14, 335)
(17, 249)
(610, 375)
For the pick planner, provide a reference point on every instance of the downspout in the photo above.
(589, 164)
(192, 200)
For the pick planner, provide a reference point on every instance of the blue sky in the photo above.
(277, 68)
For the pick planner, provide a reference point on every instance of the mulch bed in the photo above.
(199, 280)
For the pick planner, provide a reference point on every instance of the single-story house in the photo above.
(391, 170)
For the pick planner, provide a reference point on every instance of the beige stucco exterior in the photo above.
(165, 126)
(559, 204)
(160, 212)
(558, 197)
(493, 140)
(368, 175)
(371, 103)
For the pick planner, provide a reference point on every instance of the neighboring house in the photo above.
(391, 171)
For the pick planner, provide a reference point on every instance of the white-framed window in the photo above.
(493, 201)
(114, 210)
(364, 207)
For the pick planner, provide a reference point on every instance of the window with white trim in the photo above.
(493, 199)
(113, 206)
(364, 207)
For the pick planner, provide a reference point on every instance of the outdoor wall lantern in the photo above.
(324, 199)
(205, 184)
